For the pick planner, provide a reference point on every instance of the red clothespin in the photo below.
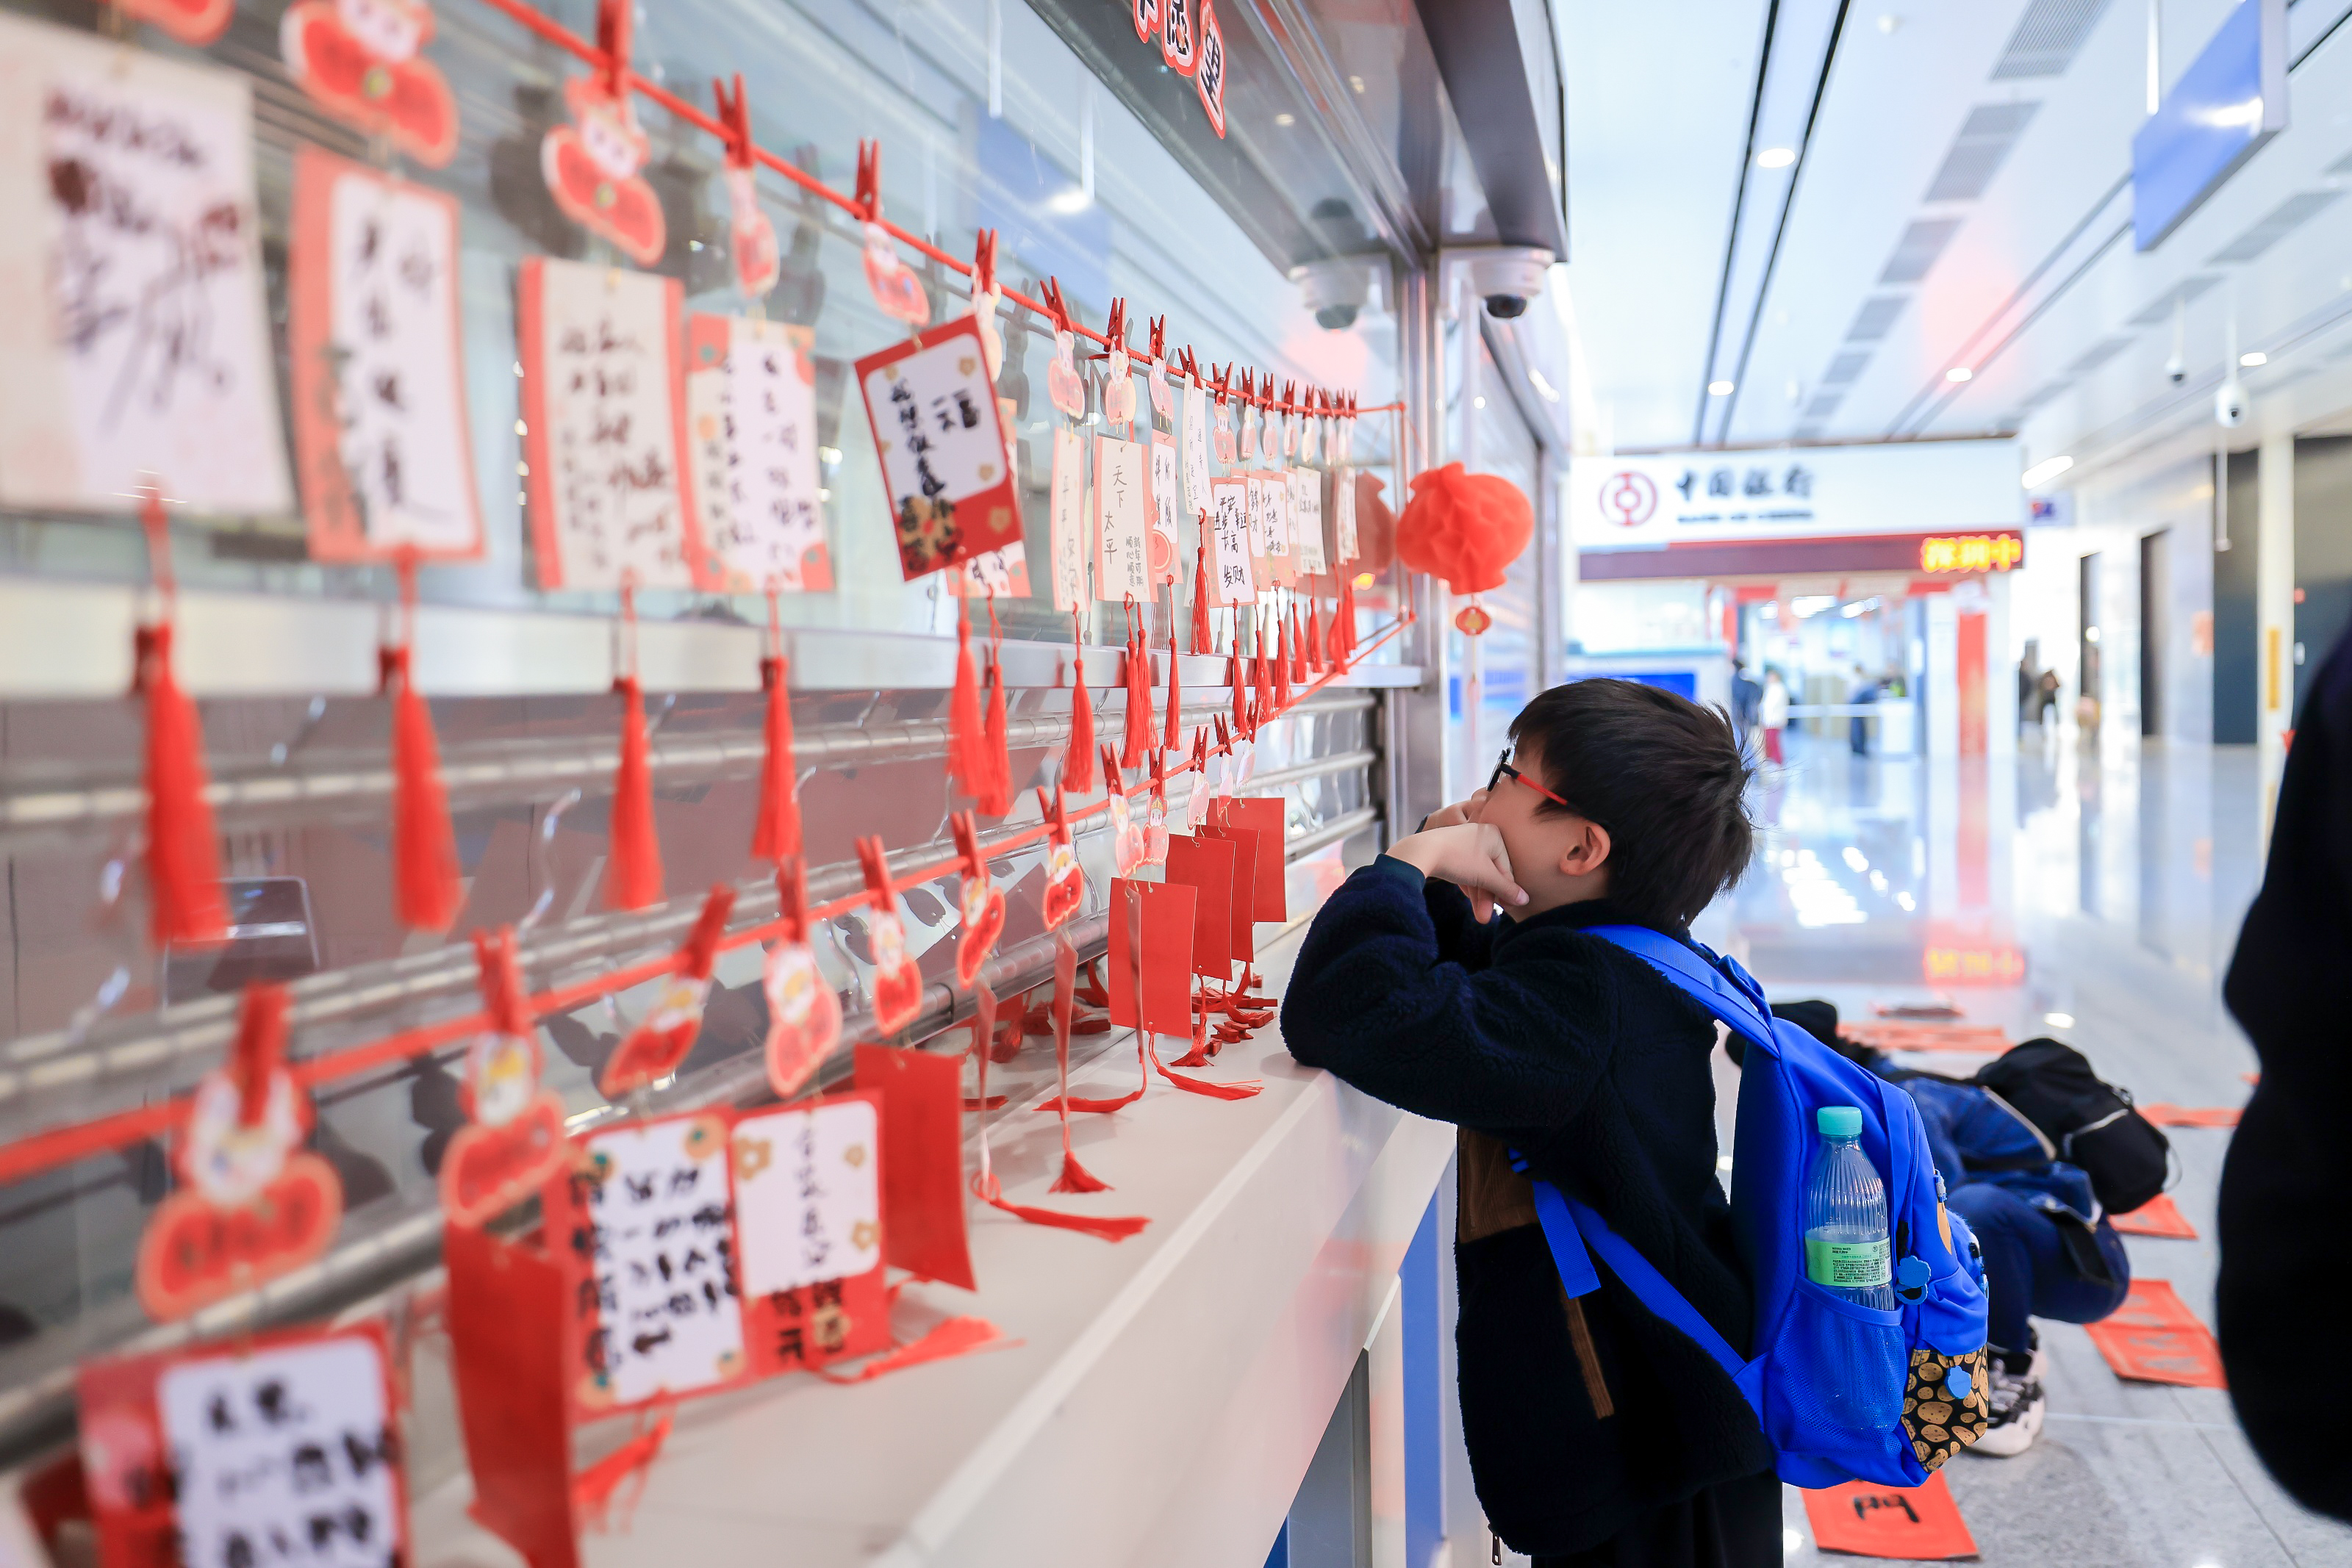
(1159, 338)
(1191, 365)
(1249, 390)
(983, 262)
(869, 180)
(1056, 814)
(981, 905)
(615, 31)
(792, 899)
(1050, 291)
(879, 890)
(1201, 749)
(1224, 736)
(1220, 382)
(259, 1049)
(1289, 394)
(735, 114)
(1113, 780)
(1115, 330)
(966, 834)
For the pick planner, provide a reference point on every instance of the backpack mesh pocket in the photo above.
(1840, 1374)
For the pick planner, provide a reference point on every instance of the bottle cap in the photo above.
(1839, 1121)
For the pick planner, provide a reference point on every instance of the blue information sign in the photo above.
(2231, 100)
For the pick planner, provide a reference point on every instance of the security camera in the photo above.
(2229, 403)
(1505, 276)
(1336, 290)
(2176, 371)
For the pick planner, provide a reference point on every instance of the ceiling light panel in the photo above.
(1803, 35)
(1984, 144)
(2048, 37)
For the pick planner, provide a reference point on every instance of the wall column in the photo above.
(2274, 613)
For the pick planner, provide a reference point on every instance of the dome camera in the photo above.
(2175, 370)
(2229, 403)
(1505, 276)
(1336, 290)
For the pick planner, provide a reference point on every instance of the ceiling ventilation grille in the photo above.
(1875, 318)
(2048, 37)
(1824, 405)
(2160, 308)
(1979, 150)
(2098, 354)
(1916, 251)
(1846, 368)
(2286, 217)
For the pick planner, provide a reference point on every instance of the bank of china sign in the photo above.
(1945, 487)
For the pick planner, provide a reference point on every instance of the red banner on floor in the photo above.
(1906, 1523)
(1961, 1040)
(2154, 1338)
(2156, 1217)
(2168, 1115)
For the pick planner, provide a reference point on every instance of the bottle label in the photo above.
(1849, 1265)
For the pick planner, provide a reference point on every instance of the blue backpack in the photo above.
(1933, 1347)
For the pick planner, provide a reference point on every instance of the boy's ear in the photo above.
(1587, 851)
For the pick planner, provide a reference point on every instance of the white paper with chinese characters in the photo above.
(1069, 526)
(1343, 515)
(808, 1196)
(1122, 520)
(1307, 497)
(608, 431)
(1166, 501)
(291, 1443)
(756, 424)
(665, 1295)
(1195, 436)
(394, 314)
(136, 341)
(931, 423)
(1230, 579)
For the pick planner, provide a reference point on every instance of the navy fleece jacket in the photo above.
(1573, 1051)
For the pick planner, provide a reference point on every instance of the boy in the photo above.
(1598, 1434)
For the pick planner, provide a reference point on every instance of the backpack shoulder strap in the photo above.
(1721, 986)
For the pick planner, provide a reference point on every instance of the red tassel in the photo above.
(952, 1337)
(1282, 665)
(633, 875)
(997, 799)
(1240, 680)
(1074, 1177)
(1315, 661)
(1138, 702)
(1240, 1090)
(426, 890)
(964, 738)
(592, 1489)
(1078, 761)
(1296, 648)
(183, 851)
(1264, 690)
(776, 831)
(1201, 598)
(1109, 1229)
(1172, 738)
(258, 1051)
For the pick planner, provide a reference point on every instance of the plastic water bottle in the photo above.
(1849, 1253)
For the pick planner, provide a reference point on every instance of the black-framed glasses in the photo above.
(1503, 769)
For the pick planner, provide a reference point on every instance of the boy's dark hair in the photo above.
(1664, 775)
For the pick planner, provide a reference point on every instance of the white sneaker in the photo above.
(2017, 1401)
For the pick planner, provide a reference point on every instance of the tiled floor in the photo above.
(2107, 888)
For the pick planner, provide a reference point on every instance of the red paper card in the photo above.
(2158, 1216)
(2154, 1338)
(1245, 853)
(2168, 1115)
(1205, 865)
(645, 1215)
(922, 1169)
(512, 1374)
(1919, 1523)
(222, 1449)
(1159, 915)
(1262, 813)
(936, 429)
(808, 1222)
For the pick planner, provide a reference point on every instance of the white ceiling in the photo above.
(2030, 281)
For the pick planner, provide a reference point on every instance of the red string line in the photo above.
(588, 53)
(62, 1145)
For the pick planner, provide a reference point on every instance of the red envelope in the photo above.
(1159, 914)
(1245, 853)
(922, 1161)
(505, 1300)
(1205, 865)
(1262, 813)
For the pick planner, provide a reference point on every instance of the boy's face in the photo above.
(1556, 856)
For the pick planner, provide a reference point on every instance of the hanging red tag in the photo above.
(1204, 863)
(375, 75)
(200, 1456)
(254, 1204)
(922, 1161)
(1152, 931)
(896, 288)
(656, 1046)
(508, 1305)
(514, 1142)
(808, 1215)
(751, 238)
(1247, 847)
(591, 166)
(1264, 815)
(803, 1011)
(983, 903)
(1066, 884)
(896, 984)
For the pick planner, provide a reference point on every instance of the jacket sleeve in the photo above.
(1460, 938)
(1373, 999)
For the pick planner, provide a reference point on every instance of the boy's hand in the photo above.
(1456, 814)
(1471, 856)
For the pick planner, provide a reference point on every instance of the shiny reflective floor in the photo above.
(2104, 887)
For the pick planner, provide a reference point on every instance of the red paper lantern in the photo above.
(1464, 528)
(1375, 527)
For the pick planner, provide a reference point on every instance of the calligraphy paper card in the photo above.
(378, 366)
(219, 1458)
(1165, 501)
(1068, 501)
(808, 1220)
(648, 1214)
(1230, 580)
(1157, 918)
(1306, 516)
(1207, 867)
(943, 453)
(1003, 572)
(1122, 520)
(1269, 531)
(1263, 814)
(1343, 515)
(1195, 436)
(604, 410)
(136, 337)
(1282, 510)
(750, 401)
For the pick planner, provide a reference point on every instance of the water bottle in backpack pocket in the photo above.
(1850, 1258)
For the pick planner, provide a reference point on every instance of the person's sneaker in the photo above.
(2017, 1403)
